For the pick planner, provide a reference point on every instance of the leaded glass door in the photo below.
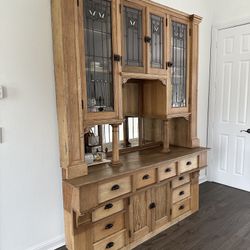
(156, 42)
(133, 32)
(179, 66)
(99, 66)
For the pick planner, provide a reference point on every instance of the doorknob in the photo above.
(248, 131)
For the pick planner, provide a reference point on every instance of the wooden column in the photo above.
(115, 145)
(126, 133)
(165, 136)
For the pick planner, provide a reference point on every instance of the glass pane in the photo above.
(133, 37)
(157, 41)
(98, 55)
(179, 59)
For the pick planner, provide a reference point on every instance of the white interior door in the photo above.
(231, 109)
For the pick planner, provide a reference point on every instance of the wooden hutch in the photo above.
(117, 60)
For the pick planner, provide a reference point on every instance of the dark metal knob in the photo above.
(169, 64)
(109, 226)
(189, 163)
(147, 39)
(152, 205)
(145, 177)
(181, 178)
(108, 206)
(181, 193)
(110, 245)
(117, 58)
(247, 131)
(168, 170)
(115, 187)
(181, 207)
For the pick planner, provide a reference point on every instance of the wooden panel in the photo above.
(181, 193)
(180, 208)
(108, 226)
(130, 99)
(187, 164)
(195, 191)
(145, 178)
(161, 197)
(203, 159)
(140, 214)
(88, 201)
(166, 171)
(117, 241)
(180, 181)
(107, 210)
(110, 190)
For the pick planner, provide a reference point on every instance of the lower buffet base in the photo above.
(120, 208)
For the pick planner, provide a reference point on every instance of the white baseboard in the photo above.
(53, 244)
(202, 179)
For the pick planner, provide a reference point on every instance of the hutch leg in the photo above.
(115, 145)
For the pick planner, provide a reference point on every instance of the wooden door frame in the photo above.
(212, 85)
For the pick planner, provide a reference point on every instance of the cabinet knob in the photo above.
(181, 193)
(145, 177)
(189, 163)
(169, 65)
(181, 207)
(168, 170)
(115, 187)
(147, 39)
(110, 245)
(109, 226)
(117, 58)
(152, 205)
(181, 178)
(108, 206)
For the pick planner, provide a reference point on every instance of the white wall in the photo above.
(30, 180)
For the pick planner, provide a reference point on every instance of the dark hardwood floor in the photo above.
(223, 223)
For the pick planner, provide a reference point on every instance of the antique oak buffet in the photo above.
(117, 60)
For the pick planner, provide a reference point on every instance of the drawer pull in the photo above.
(108, 206)
(115, 187)
(145, 177)
(109, 226)
(181, 193)
(181, 178)
(168, 170)
(110, 245)
(152, 205)
(189, 163)
(181, 207)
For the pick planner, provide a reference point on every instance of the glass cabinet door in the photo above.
(133, 44)
(179, 47)
(157, 43)
(98, 55)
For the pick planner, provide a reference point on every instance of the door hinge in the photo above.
(129, 234)
(82, 104)
(77, 3)
(190, 32)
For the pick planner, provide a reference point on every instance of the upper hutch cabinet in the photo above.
(178, 65)
(100, 60)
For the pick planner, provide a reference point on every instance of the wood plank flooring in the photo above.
(223, 223)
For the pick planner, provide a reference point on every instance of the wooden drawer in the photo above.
(108, 226)
(181, 193)
(145, 178)
(180, 181)
(113, 242)
(107, 210)
(167, 171)
(180, 208)
(187, 164)
(110, 190)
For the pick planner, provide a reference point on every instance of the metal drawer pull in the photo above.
(181, 178)
(189, 163)
(108, 206)
(109, 226)
(145, 177)
(110, 245)
(152, 205)
(181, 207)
(181, 193)
(115, 187)
(168, 170)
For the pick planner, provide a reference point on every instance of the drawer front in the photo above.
(110, 190)
(188, 164)
(109, 226)
(113, 242)
(180, 208)
(145, 178)
(107, 210)
(180, 181)
(167, 171)
(181, 193)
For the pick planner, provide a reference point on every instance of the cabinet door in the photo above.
(161, 212)
(97, 47)
(140, 215)
(179, 58)
(133, 31)
(156, 42)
